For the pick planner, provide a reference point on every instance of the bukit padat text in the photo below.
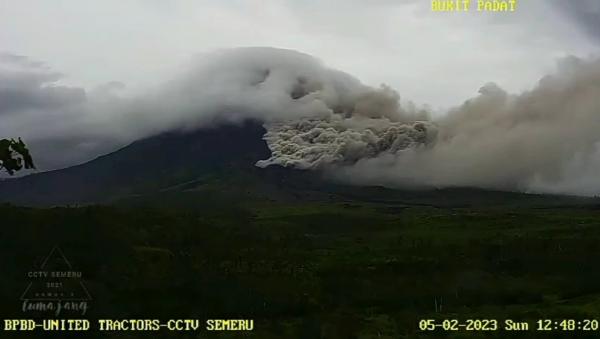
(468, 5)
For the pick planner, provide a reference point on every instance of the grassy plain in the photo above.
(341, 268)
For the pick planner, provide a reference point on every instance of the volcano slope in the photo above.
(170, 230)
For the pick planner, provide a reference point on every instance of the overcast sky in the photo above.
(440, 59)
(398, 42)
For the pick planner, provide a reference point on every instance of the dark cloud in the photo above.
(27, 85)
(585, 13)
(15, 59)
(48, 115)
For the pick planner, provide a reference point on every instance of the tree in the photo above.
(14, 155)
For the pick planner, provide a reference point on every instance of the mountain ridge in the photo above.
(219, 163)
(144, 166)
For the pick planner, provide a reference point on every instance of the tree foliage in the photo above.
(14, 156)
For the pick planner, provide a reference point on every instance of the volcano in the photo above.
(156, 164)
(217, 165)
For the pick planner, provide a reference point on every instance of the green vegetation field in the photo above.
(336, 269)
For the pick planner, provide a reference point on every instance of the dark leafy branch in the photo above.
(14, 156)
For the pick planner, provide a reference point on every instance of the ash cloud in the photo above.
(545, 139)
(316, 117)
(373, 125)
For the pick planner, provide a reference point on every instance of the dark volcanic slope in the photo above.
(217, 164)
(145, 166)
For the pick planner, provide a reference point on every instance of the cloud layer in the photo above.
(398, 42)
(584, 13)
(544, 139)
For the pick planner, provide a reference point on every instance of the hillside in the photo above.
(216, 165)
(145, 166)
